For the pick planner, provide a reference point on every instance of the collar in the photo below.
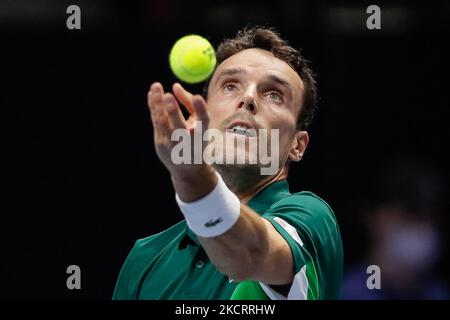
(259, 203)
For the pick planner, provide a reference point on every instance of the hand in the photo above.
(191, 181)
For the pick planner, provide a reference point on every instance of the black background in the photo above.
(81, 181)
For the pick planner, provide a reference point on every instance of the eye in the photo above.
(275, 95)
(229, 86)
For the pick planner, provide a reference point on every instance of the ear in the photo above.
(298, 146)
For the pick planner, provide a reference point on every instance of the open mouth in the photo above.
(242, 129)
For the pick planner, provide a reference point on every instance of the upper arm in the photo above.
(306, 224)
(278, 267)
(303, 284)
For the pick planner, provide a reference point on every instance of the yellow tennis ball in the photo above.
(192, 59)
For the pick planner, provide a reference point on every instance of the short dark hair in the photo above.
(268, 39)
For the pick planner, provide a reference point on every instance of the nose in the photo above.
(248, 102)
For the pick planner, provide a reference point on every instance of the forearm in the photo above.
(248, 247)
(193, 184)
(241, 248)
(240, 252)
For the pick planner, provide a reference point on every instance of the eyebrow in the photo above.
(230, 72)
(280, 81)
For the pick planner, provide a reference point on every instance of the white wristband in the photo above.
(213, 214)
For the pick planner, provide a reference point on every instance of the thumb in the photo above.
(184, 96)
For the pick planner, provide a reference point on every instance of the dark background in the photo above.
(81, 181)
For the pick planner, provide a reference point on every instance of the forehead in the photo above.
(260, 63)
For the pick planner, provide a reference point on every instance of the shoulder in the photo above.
(308, 213)
(305, 204)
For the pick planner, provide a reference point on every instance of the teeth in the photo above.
(239, 129)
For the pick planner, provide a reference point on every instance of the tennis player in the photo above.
(244, 234)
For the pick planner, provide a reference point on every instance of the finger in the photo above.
(157, 87)
(185, 97)
(154, 99)
(160, 123)
(199, 105)
(190, 123)
(173, 110)
(159, 116)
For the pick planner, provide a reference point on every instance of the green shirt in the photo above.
(173, 265)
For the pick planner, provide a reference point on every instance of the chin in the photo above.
(243, 169)
(240, 156)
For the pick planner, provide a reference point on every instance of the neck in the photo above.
(247, 182)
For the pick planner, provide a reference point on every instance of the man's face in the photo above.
(255, 89)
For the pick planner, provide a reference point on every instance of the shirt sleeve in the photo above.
(306, 223)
